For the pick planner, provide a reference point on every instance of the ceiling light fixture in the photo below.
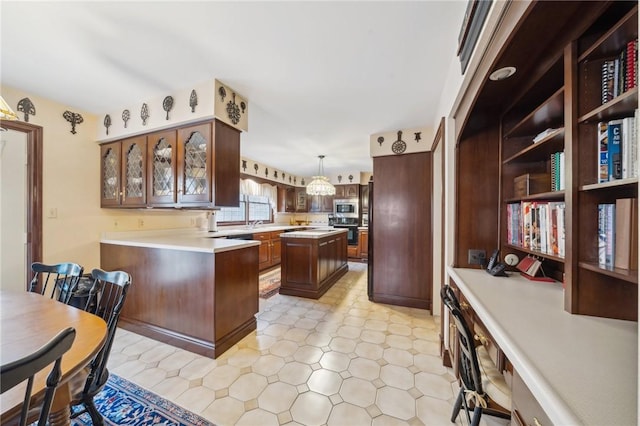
(320, 184)
(6, 113)
(502, 73)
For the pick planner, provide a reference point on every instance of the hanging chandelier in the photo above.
(320, 184)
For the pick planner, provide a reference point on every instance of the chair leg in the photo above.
(456, 407)
(96, 417)
(477, 413)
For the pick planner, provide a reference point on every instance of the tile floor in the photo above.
(340, 360)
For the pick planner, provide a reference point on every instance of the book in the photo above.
(561, 171)
(631, 64)
(603, 153)
(526, 224)
(554, 172)
(607, 81)
(606, 235)
(614, 149)
(561, 228)
(626, 234)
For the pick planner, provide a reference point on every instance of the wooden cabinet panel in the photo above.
(190, 166)
(286, 199)
(526, 409)
(347, 191)
(352, 252)
(301, 200)
(363, 244)
(320, 203)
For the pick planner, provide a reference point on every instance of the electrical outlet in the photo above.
(476, 257)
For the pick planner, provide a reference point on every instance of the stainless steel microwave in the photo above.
(345, 208)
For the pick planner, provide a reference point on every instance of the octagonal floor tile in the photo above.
(348, 414)
(311, 408)
(277, 397)
(396, 403)
(358, 392)
(325, 382)
(248, 386)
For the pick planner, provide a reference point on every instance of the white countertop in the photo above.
(314, 233)
(581, 369)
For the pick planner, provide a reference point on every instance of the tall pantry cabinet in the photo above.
(530, 144)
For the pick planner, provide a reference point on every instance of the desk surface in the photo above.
(27, 322)
(581, 369)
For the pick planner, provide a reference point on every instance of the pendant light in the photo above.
(6, 113)
(320, 184)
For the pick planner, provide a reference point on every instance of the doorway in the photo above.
(26, 140)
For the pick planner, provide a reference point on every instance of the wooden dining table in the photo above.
(27, 322)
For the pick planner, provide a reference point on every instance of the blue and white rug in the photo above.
(124, 403)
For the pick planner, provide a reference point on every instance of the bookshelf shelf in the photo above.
(629, 183)
(541, 150)
(607, 44)
(553, 195)
(549, 114)
(536, 253)
(616, 108)
(627, 275)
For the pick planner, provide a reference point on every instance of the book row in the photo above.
(618, 149)
(618, 234)
(537, 226)
(620, 73)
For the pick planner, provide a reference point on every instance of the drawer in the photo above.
(275, 235)
(525, 407)
(262, 236)
(482, 336)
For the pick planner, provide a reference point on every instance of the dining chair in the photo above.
(106, 298)
(59, 280)
(25, 368)
(483, 388)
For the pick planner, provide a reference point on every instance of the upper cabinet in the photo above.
(123, 173)
(347, 191)
(190, 166)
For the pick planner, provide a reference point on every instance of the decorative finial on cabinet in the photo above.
(167, 105)
(107, 122)
(193, 100)
(25, 105)
(380, 140)
(126, 115)
(144, 114)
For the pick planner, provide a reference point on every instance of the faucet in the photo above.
(255, 223)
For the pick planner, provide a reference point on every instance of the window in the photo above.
(257, 202)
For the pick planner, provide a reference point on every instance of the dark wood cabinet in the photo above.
(286, 199)
(363, 244)
(401, 231)
(269, 250)
(320, 203)
(347, 191)
(188, 166)
(301, 200)
(123, 173)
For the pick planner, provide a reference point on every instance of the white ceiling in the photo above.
(320, 77)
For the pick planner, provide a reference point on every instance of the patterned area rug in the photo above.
(269, 284)
(124, 403)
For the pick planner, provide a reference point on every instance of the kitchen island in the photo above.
(312, 261)
(188, 289)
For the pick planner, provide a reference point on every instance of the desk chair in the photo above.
(23, 369)
(59, 280)
(106, 298)
(483, 388)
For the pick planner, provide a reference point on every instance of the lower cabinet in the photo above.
(352, 252)
(525, 408)
(363, 244)
(269, 250)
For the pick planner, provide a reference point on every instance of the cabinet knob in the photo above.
(481, 338)
(464, 306)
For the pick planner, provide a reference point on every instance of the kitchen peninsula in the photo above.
(312, 261)
(189, 289)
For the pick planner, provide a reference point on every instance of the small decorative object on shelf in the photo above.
(339, 178)
(233, 111)
(193, 100)
(244, 165)
(302, 182)
(418, 136)
(380, 140)
(126, 115)
(243, 106)
(107, 122)
(266, 172)
(73, 118)
(529, 268)
(25, 105)
(282, 175)
(222, 92)
(144, 114)
(255, 167)
(167, 105)
(399, 146)
(275, 174)
(350, 178)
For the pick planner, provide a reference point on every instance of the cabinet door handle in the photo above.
(464, 306)
(481, 338)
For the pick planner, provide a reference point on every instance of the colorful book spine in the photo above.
(603, 153)
(614, 136)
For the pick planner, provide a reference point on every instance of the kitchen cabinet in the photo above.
(286, 199)
(188, 166)
(364, 198)
(301, 200)
(363, 244)
(123, 173)
(320, 203)
(352, 252)
(347, 191)
(525, 408)
(269, 250)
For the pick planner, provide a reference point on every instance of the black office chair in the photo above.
(483, 388)
(106, 298)
(59, 280)
(23, 369)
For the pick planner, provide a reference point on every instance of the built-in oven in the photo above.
(345, 207)
(352, 233)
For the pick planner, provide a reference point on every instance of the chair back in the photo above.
(23, 369)
(59, 280)
(468, 363)
(106, 298)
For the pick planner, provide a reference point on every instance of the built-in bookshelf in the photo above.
(562, 114)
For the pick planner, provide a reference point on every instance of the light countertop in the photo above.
(314, 233)
(581, 369)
